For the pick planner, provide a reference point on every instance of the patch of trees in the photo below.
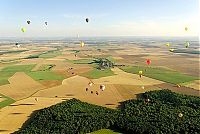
(155, 112)
(70, 117)
(161, 112)
(103, 63)
(32, 56)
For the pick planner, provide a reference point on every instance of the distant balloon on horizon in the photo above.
(186, 28)
(28, 22)
(23, 29)
(87, 20)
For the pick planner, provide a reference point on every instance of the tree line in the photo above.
(156, 112)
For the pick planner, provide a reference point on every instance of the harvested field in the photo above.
(21, 86)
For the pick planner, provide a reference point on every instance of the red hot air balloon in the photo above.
(148, 61)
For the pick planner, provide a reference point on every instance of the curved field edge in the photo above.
(155, 112)
(160, 74)
(96, 73)
(7, 101)
(105, 131)
(44, 74)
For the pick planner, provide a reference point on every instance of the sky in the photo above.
(66, 18)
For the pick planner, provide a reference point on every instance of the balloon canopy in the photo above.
(102, 87)
(187, 44)
(87, 20)
(28, 22)
(180, 115)
(171, 50)
(168, 44)
(186, 28)
(148, 61)
(82, 44)
(23, 29)
(140, 72)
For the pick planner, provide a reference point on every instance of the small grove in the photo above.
(155, 112)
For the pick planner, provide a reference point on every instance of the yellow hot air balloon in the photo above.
(186, 29)
(171, 50)
(140, 72)
(23, 29)
(168, 44)
(82, 44)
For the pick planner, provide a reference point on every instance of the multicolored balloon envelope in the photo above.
(102, 87)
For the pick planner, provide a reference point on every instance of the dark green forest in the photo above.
(160, 111)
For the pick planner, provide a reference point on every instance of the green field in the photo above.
(5, 102)
(81, 61)
(105, 131)
(18, 68)
(11, 70)
(96, 73)
(45, 74)
(45, 55)
(50, 54)
(46, 67)
(160, 74)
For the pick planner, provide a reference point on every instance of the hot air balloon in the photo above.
(87, 20)
(17, 45)
(82, 44)
(97, 93)
(36, 99)
(45, 23)
(28, 22)
(23, 29)
(168, 44)
(148, 61)
(140, 73)
(180, 115)
(187, 44)
(147, 100)
(171, 50)
(102, 87)
(186, 29)
(90, 84)
(86, 89)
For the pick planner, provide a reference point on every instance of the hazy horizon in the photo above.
(106, 18)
